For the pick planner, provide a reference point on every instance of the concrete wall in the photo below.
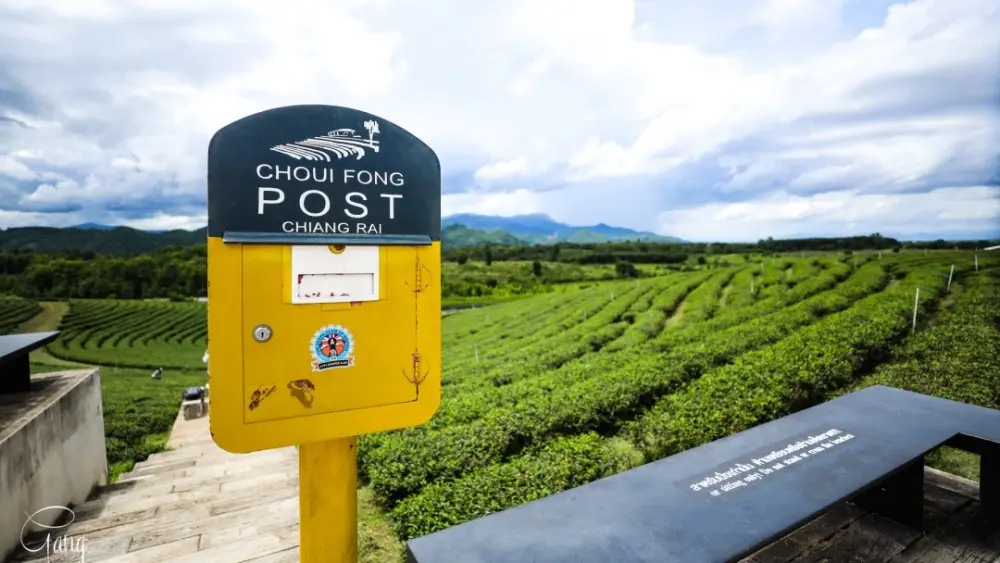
(52, 454)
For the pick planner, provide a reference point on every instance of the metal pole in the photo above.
(328, 501)
(916, 300)
(950, 274)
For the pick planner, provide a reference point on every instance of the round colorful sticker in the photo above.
(332, 347)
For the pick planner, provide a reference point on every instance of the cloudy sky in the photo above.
(708, 120)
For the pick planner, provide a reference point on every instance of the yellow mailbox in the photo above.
(324, 278)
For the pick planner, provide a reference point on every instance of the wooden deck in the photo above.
(199, 504)
(849, 534)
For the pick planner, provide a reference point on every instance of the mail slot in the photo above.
(324, 318)
(334, 274)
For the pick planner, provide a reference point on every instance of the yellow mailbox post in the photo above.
(324, 297)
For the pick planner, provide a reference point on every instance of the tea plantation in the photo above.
(555, 390)
(14, 311)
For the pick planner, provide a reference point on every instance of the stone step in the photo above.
(287, 556)
(94, 516)
(212, 467)
(188, 550)
(179, 455)
(274, 543)
(210, 474)
(193, 503)
(157, 493)
(203, 460)
(135, 536)
(200, 453)
(232, 539)
(138, 471)
(176, 526)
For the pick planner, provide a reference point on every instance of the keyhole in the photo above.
(262, 333)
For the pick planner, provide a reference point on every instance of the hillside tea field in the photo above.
(559, 389)
(137, 334)
(14, 311)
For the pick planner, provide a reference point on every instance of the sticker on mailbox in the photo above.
(332, 347)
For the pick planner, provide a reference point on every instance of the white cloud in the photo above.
(11, 219)
(780, 16)
(722, 102)
(787, 215)
(165, 222)
(14, 168)
(503, 169)
(106, 107)
(504, 204)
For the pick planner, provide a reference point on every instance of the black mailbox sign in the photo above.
(322, 172)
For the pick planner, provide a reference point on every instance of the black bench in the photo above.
(15, 368)
(724, 500)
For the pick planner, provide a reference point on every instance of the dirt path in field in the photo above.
(725, 294)
(944, 304)
(48, 319)
(678, 315)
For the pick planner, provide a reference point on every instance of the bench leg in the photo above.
(899, 497)
(16, 376)
(989, 491)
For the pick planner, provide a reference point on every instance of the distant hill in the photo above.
(105, 239)
(458, 231)
(456, 235)
(539, 228)
(93, 227)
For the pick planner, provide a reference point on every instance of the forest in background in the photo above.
(179, 272)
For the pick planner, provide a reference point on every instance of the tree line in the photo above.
(180, 271)
(170, 272)
(639, 252)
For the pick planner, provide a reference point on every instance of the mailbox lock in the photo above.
(262, 333)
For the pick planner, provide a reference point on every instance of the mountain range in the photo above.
(539, 228)
(457, 231)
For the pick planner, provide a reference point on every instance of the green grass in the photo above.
(811, 330)
(575, 377)
(139, 412)
(955, 462)
(955, 355)
(133, 334)
(475, 281)
(49, 318)
(377, 542)
(561, 288)
(14, 311)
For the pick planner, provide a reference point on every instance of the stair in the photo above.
(195, 503)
